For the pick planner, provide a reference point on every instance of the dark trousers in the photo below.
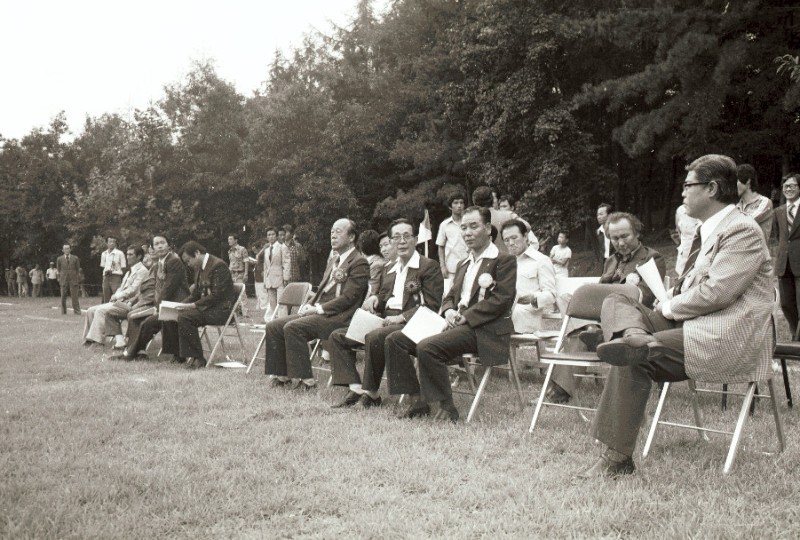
(286, 343)
(111, 283)
(149, 328)
(188, 322)
(70, 289)
(52, 287)
(435, 353)
(400, 369)
(622, 404)
(789, 287)
(343, 357)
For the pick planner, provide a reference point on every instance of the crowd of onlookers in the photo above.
(35, 282)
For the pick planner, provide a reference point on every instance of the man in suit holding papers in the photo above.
(717, 325)
(478, 312)
(411, 281)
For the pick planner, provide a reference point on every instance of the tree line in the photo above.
(561, 105)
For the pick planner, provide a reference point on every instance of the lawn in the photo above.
(95, 448)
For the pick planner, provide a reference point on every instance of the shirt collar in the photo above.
(529, 252)
(413, 262)
(344, 255)
(136, 267)
(491, 252)
(205, 260)
(711, 223)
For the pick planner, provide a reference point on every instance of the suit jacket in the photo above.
(616, 271)
(131, 282)
(788, 253)
(279, 269)
(68, 273)
(429, 279)
(213, 286)
(726, 304)
(353, 289)
(490, 318)
(171, 283)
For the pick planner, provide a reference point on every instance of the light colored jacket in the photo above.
(279, 269)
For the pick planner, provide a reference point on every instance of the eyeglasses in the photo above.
(398, 237)
(687, 185)
(790, 186)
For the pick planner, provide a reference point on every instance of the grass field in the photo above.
(94, 448)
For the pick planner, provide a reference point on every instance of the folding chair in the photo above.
(585, 304)
(470, 362)
(294, 295)
(788, 350)
(232, 318)
(736, 434)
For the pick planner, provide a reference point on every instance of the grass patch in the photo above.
(93, 448)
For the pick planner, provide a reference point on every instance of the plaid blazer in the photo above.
(727, 305)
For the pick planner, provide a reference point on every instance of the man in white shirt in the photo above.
(536, 278)
(452, 248)
(112, 261)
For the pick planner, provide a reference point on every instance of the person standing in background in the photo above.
(37, 278)
(52, 279)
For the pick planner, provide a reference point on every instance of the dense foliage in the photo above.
(561, 105)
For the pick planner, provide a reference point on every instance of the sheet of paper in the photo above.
(362, 323)
(425, 323)
(652, 278)
(232, 364)
(169, 311)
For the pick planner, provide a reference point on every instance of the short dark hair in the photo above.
(381, 237)
(111, 237)
(508, 198)
(191, 248)
(523, 229)
(370, 242)
(138, 252)
(486, 215)
(635, 222)
(607, 206)
(482, 196)
(234, 235)
(747, 173)
(454, 196)
(565, 233)
(721, 170)
(288, 228)
(400, 221)
(271, 228)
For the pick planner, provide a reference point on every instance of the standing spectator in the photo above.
(482, 196)
(112, 261)
(238, 258)
(37, 278)
(69, 268)
(449, 240)
(751, 202)
(22, 281)
(276, 270)
(52, 280)
(561, 255)
(602, 247)
(787, 257)
(281, 236)
(258, 278)
(11, 281)
(297, 254)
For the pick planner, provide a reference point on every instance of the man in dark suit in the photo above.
(342, 290)
(170, 285)
(478, 311)
(210, 301)
(787, 259)
(69, 268)
(412, 281)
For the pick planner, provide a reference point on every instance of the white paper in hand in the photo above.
(362, 323)
(169, 311)
(425, 323)
(652, 278)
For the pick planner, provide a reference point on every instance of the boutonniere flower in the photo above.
(413, 287)
(339, 275)
(486, 282)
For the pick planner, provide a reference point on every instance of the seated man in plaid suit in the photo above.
(717, 325)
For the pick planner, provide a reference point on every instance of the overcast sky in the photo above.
(92, 57)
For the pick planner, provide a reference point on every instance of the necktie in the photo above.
(270, 253)
(693, 253)
(331, 282)
(791, 214)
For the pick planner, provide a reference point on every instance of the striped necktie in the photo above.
(693, 253)
(790, 215)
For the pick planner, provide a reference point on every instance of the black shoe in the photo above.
(367, 402)
(277, 383)
(556, 394)
(447, 411)
(177, 360)
(416, 410)
(300, 385)
(349, 400)
(627, 351)
(605, 467)
(195, 363)
(591, 338)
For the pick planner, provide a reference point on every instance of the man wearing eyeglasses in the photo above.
(787, 260)
(716, 326)
(410, 282)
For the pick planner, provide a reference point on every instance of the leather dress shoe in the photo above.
(300, 385)
(196, 363)
(605, 467)
(627, 351)
(367, 402)
(447, 412)
(556, 394)
(177, 360)
(415, 410)
(591, 339)
(277, 383)
(349, 400)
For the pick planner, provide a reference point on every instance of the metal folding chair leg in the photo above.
(786, 386)
(737, 432)
(540, 401)
(486, 374)
(777, 416)
(258, 350)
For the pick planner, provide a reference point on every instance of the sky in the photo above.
(93, 57)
